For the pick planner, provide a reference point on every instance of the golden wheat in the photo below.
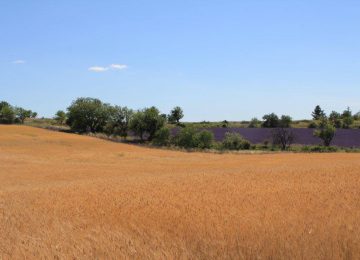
(70, 196)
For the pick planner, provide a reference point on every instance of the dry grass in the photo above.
(70, 196)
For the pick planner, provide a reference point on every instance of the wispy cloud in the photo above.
(98, 69)
(111, 66)
(118, 66)
(18, 62)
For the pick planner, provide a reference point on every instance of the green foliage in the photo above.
(318, 113)
(234, 141)
(60, 117)
(186, 138)
(335, 119)
(270, 120)
(7, 113)
(347, 118)
(148, 121)
(118, 121)
(326, 133)
(137, 124)
(162, 137)
(204, 139)
(254, 123)
(285, 121)
(175, 115)
(22, 114)
(87, 115)
(312, 125)
(319, 149)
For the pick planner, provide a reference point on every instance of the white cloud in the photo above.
(118, 66)
(111, 66)
(98, 69)
(19, 62)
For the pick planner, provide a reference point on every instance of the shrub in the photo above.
(204, 139)
(118, 122)
(186, 138)
(162, 137)
(326, 133)
(312, 125)
(319, 148)
(60, 117)
(254, 123)
(234, 141)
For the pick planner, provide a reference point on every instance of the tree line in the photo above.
(12, 115)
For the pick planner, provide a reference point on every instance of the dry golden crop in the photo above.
(70, 196)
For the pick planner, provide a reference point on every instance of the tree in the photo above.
(347, 118)
(283, 137)
(87, 115)
(326, 133)
(270, 120)
(148, 120)
(60, 117)
(162, 137)
(153, 121)
(285, 121)
(204, 139)
(7, 113)
(254, 123)
(34, 114)
(175, 115)
(118, 121)
(137, 124)
(335, 119)
(186, 137)
(318, 113)
(22, 114)
(234, 141)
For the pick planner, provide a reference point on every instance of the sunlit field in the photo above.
(69, 196)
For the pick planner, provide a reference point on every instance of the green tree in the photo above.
(335, 119)
(254, 123)
(118, 121)
(347, 118)
(153, 121)
(137, 124)
(162, 137)
(234, 141)
(285, 121)
(22, 114)
(186, 137)
(318, 113)
(204, 139)
(270, 120)
(175, 115)
(7, 113)
(87, 115)
(326, 133)
(60, 117)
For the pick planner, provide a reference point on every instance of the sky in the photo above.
(217, 59)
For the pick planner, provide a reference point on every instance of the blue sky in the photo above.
(217, 59)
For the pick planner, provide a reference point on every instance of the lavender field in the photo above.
(304, 136)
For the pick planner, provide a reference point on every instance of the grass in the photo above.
(72, 196)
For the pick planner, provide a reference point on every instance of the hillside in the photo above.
(71, 196)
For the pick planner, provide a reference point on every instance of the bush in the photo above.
(326, 133)
(312, 125)
(204, 139)
(148, 120)
(186, 138)
(87, 115)
(319, 149)
(162, 137)
(234, 141)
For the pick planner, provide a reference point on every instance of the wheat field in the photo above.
(65, 196)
